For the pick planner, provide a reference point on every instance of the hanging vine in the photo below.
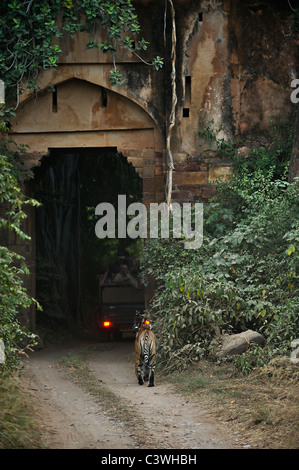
(31, 34)
(171, 123)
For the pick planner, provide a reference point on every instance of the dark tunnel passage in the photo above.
(70, 183)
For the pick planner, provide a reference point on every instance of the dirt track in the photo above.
(72, 419)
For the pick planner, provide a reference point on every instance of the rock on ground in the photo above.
(233, 345)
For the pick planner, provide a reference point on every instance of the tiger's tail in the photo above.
(149, 355)
(146, 358)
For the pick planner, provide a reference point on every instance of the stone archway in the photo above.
(76, 113)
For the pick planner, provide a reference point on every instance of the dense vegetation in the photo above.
(13, 295)
(246, 273)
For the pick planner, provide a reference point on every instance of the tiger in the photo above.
(145, 350)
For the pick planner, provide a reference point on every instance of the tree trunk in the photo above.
(294, 163)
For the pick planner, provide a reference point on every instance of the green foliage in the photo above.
(274, 157)
(209, 133)
(31, 32)
(13, 295)
(158, 62)
(244, 276)
(254, 357)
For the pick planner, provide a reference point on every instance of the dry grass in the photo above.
(261, 410)
(18, 429)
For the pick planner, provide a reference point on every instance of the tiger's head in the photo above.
(145, 324)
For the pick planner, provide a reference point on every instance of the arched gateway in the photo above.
(79, 113)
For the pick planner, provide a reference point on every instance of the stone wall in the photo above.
(234, 65)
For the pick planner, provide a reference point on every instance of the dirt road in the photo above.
(156, 418)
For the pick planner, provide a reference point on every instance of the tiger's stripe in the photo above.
(145, 350)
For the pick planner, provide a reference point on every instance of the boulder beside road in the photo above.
(234, 345)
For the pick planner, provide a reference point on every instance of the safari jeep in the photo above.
(119, 306)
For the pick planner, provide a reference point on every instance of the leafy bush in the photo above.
(244, 276)
(13, 295)
(274, 157)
